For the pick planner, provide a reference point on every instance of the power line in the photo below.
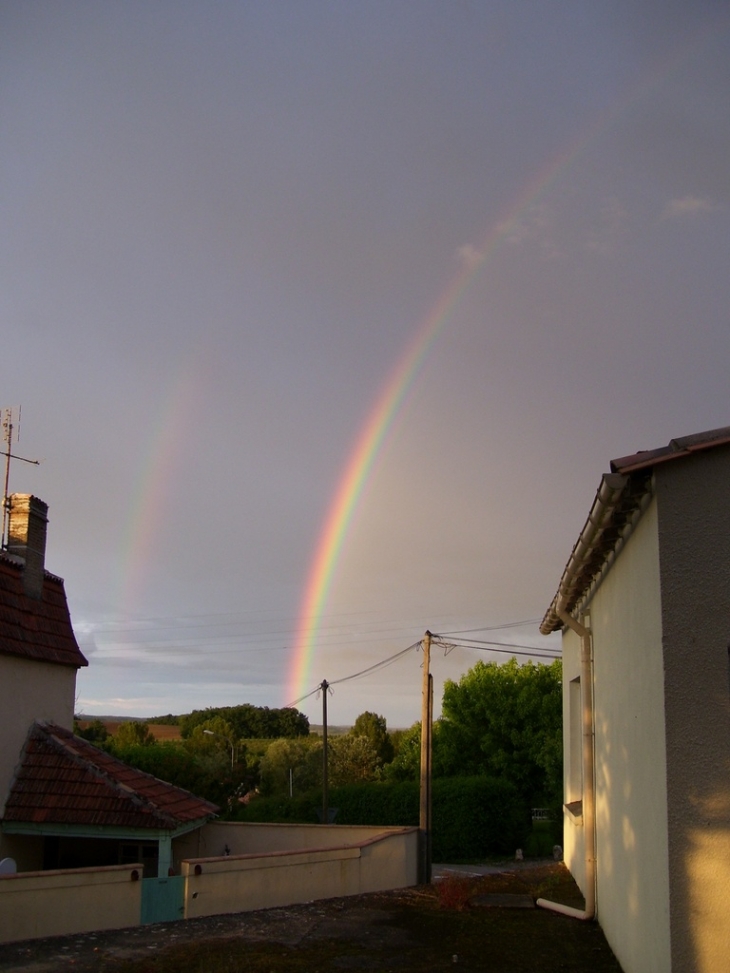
(504, 647)
(363, 672)
(495, 628)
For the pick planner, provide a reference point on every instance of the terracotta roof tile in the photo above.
(63, 779)
(35, 628)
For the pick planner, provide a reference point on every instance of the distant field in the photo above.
(158, 730)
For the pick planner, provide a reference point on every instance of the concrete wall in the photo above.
(39, 904)
(321, 861)
(247, 882)
(694, 534)
(31, 691)
(243, 838)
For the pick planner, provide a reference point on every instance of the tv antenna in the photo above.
(9, 423)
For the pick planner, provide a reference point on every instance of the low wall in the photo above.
(386, 859)
(244, 838)
(56, 903)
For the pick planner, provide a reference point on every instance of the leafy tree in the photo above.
(212, 735)
(95, 732)
(505, 721)
(302, 756)
(250, 722)
(133, 732)
(351, 760)
(375, 730)
(406, 765)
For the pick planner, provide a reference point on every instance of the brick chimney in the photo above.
(27, 539)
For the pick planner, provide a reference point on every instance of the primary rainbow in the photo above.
(379, 422)
(388, 403)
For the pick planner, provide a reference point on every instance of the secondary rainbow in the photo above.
(149, 495)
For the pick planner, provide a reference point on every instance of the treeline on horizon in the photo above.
(247, 721)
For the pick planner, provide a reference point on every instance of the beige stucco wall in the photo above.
(38, 904)
(573, 844)
(31, 691)
(247, 882)
(632, 878)
(694, 531)
(243, 838)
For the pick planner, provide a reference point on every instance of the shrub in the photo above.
(473, 817)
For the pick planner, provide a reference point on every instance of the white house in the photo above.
(644, 607)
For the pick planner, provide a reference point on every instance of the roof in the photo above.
(619, 498)
(676, 449)
(63, 779)
(35, 628)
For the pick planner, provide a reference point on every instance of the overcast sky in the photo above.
(223, 225)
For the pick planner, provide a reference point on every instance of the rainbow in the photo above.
(391, 398)
(151, 488)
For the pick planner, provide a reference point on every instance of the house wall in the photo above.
(573, 844)
(694, 534)
(632, 877)
(243, 883)
(31, 691)
(38, 904)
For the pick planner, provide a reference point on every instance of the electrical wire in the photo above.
(363, 672)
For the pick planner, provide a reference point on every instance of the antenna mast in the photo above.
(8, 415)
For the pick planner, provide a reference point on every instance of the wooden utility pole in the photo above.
(426, 749)
(324, 686)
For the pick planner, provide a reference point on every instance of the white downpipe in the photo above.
(589, 782)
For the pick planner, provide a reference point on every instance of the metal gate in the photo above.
(163, 899)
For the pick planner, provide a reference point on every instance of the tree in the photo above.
(250, 722)
(302, 756)
(211, 735)
(352, 760)
(374, 729)
(133, 732)
(95, 732)
(506, 721)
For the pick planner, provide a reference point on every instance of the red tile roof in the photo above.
(675, 449)
(63, 779)
(36, 628)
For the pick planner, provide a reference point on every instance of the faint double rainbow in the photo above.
(389, 402)
(150, 493)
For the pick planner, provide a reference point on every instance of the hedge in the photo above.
(473, 817)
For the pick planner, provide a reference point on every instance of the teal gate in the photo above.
(163, 899)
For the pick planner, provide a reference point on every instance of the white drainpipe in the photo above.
(589, 782)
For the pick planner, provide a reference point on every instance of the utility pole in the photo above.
(324, 686)
(424, 822)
